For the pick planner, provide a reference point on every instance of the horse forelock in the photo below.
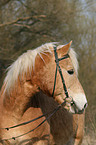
(26, 62)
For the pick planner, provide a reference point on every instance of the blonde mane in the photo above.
(27, 61)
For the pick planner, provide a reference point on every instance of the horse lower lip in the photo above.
(80, 111)
(77, 111)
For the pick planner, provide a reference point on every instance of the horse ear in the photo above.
(65, 48)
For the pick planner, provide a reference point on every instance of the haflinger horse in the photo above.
(39, 81)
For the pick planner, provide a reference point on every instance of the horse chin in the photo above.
(72, 110)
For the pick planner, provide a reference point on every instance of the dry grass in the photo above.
(90, 126)
(90, 134)
(89, 140)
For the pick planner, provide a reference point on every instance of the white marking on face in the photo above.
(80, 100)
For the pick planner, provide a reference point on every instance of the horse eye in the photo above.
(71, 72)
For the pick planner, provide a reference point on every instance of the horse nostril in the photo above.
(85, 106)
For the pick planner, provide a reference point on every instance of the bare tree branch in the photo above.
(15, 22)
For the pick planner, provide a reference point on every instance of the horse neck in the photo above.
(17, 100)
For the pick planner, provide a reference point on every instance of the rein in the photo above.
(24, 123)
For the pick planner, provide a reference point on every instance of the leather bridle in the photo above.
(72, 103)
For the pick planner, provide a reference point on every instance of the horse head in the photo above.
(64, 86)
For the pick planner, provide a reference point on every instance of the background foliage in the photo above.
(26, 24)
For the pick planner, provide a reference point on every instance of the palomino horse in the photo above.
(33, 82)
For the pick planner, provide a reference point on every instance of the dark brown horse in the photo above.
(27, 93)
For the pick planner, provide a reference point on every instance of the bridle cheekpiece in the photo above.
(60, 72)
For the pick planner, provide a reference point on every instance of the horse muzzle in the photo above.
(76, 105)
(75, 110)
